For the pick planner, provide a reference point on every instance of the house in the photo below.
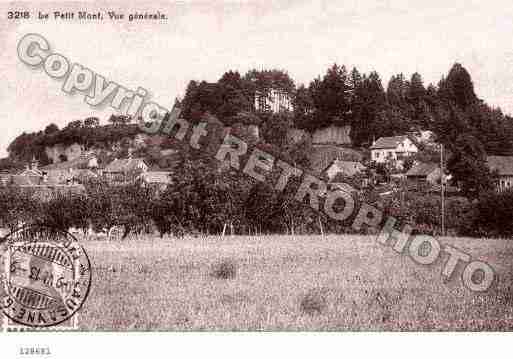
(395, 149)
(425, 172)
(322, 156)
(503, 167)
(346, 168)
(120, 169)
(30, 176)
(76, 170)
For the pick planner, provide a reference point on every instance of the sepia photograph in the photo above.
(255, 166)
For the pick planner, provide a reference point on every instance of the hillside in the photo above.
(342, 108)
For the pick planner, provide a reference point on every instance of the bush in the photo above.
(493, 214)
(224, 270)
(314, 302)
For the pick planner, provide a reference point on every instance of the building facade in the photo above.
(393, 149)
(502, 166)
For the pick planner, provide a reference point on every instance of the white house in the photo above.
(395, 149)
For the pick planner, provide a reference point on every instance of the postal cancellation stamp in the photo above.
(46, 277)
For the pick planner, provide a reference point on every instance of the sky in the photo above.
(202, 40)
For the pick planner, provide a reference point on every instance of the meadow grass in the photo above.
(288, 283)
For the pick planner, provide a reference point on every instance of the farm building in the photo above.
(323, 156)
(119, 169)
(76, 170)
(425, 172)
(346, 168)
(503, 167)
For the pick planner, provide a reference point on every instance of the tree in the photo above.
(368, 118)
(51, 129)
(493, 214)
(303, 108)
(120, 120)
(468, 166)
(397, 91)
(331, 96)
(416, 91)
(91, 122)
(235, 96)
(458, 87)
(75, 125)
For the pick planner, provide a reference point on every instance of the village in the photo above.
(389, 163)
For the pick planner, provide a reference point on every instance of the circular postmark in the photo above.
(46, 276)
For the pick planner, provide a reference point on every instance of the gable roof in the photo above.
(31, 172)
(502, 164)
(349, 168)
(322, 156)
(124, 165)
(422, 169)
(389, 142)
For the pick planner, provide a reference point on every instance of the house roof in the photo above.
(124, 165)
(79, 163)
(389, 142)
(348, 168)
(322, 156)
(422, 169)
(502, 164)
(31, 172)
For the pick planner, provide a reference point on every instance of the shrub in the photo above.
(314, 302)
(227, 269)
(493, 214)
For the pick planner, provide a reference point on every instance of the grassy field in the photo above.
(285, 283)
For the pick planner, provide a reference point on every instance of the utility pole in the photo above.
(442, 186)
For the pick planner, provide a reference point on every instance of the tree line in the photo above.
(203, 199)
(469, 128)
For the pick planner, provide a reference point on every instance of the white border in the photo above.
(258, 345)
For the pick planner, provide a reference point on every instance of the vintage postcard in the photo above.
(285, 166)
